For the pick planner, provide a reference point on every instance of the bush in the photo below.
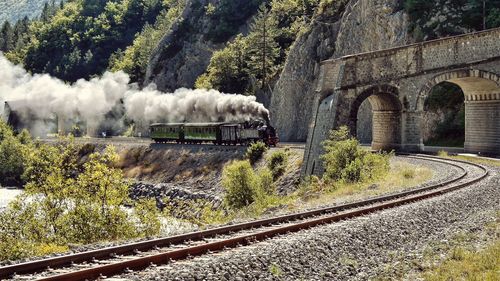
(12, 153)
(5, 130)
(240, 182)
(277, 163)
(255, 151)
(345, 160)
(70, 202)
(266, 182)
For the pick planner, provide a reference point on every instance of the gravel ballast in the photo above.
(358, 249)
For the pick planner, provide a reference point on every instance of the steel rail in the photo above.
(35, 266)
(141, 263)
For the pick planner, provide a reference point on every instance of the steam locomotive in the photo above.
(216, 133)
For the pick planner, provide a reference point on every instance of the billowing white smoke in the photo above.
(186, 105)
(41, 96)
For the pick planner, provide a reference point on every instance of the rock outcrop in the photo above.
(184, 52)
(362, 26)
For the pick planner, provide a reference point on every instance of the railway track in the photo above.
(102, 263)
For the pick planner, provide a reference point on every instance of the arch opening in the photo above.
(376, 118)
(443, 120)
(481, 110)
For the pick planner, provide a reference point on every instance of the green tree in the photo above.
(263, 47)
(228, 70)
(7, 37)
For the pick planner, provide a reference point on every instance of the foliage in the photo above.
(147, 213)
(260, 55)
(78, 40)
(228, 70)
(67, 201)
(245, 187)
(14, 10)
(263, 49)
(228, 16)
(277, 163)
(13, 150)
(255, 151)
(135, 59)
(240, 183)
(5, 130)
(11, 161)
(266, 182)
(434, 19)
(344, 159)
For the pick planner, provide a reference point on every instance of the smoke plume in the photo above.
(40, 97)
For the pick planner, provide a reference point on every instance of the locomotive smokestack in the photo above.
(265, 115)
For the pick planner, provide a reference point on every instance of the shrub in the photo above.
(277, 163)
(266, 182)
(255, 151)
(12, 153)
(240, 182)
(70, 202)
(147, 214)
(345, 160)
(5, 130)
(443, 153)
(25, 137)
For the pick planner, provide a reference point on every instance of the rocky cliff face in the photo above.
(184, 52)
(364, 25)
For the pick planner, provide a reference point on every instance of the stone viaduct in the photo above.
(397, 82)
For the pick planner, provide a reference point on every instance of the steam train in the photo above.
(216, 133)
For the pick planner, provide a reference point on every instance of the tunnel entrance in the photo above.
(376, 119)
(481, 109)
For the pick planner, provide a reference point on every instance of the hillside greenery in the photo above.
(14, 10)
(83, 38)
(66, 200)
(435, 19)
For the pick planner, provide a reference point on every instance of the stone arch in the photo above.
(387, 110)
(460, 78)
(482, 106)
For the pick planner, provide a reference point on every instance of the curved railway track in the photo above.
(136, 256)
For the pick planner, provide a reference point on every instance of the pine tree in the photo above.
(263, 47)
(7, 35)
(45, 16)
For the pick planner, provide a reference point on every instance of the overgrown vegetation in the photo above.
(277, 163)
(344, 159)
(253, 61)
(435, 19)
(135, 58)
(250, 191)
(67, 201)
(255, 151)
(77, 39)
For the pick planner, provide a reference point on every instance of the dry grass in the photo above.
(466, 262)
(401, 176)
(477, 160)
(462, 264)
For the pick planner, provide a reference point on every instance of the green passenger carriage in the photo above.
(216, 133)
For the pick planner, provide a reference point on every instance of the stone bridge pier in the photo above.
(397, 82)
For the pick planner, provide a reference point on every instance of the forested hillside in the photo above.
(14, 10)
(84, 38)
